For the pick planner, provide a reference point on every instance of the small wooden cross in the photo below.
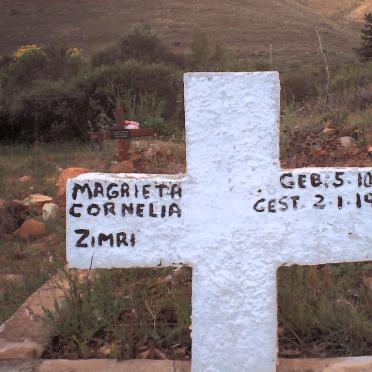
(235, 217)
(120, 133)
(123, 135)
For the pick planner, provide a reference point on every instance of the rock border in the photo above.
(355, 364)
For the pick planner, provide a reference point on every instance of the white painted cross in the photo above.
(235, 217)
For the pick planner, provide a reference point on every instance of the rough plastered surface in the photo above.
(241, 218)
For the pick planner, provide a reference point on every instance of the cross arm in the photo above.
(124, 220)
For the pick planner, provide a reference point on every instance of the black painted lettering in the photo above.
(98, 189)
(338, 179)
(360, 180)
(127, 208)
(132, 240)
(367, 181)
(271, 206)
(109, 208)
(121, 239)
(176, 190)
(161, 188)
(163, 211)
(174, 209)
(139, 210)
(112, 191)
(302, 181)
(151, 210)
(287, 184)
(320, 203)
(358, 201)
(80, 242)
(136, 191)
(72, 210)
(93, 210)
(82, 189)
(315, 180)
(283, 203)
(256, 206)
(124, 190)
(295, 200)
(104, 238)
(146, 191)
(368, 198)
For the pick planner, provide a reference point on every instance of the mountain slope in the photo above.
(248, 26)
(332, 7)
(358, 13)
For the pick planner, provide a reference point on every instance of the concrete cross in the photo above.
(235, 217)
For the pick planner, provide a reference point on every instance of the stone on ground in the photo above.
(37, 199)
(12, 365)
(20, 350)
(328, 132)
(50, 211)
(31, 229)
(347, 141)
(125, 166)
(25, 179)
(65, 175)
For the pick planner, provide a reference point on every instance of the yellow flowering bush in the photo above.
(26, 50)
(74, 52)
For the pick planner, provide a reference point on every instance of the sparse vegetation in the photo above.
(325, 311)
(124, 314)
(56, 94)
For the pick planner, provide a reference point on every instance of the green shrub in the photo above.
(49, 110)
(140, 44)
(351, 76)
(156, 86)
(301, 83)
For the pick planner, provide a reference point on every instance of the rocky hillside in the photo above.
(248, 26)
(352, 10)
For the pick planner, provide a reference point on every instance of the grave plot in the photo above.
(239, 217)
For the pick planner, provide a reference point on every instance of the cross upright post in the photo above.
(123, 142)
(235, 217)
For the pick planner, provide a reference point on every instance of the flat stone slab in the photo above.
(107, 365)
(23, 336)
(14, 365)
(356, 364)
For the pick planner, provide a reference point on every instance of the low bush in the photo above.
(140, 44)
(61, 110)
(301, 83)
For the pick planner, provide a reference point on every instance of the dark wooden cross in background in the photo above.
(120, 133)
